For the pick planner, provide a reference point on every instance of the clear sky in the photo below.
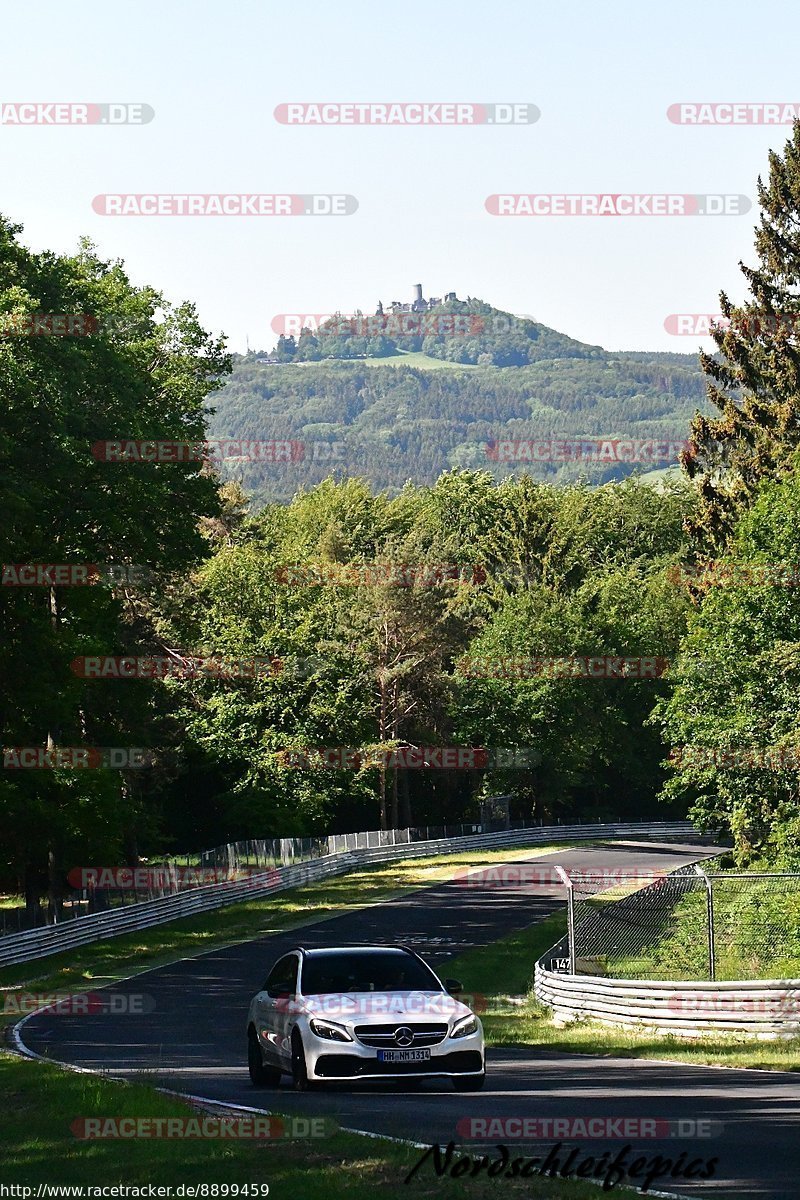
(602, 74)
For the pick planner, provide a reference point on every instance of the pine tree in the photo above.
(755, 376)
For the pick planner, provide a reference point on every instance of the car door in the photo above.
(275, 1008)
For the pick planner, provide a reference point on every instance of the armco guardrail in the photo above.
(80, 931)
(768, 1009)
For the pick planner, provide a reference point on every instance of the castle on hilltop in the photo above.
(417, 305)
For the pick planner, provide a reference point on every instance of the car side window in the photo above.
(282, 979)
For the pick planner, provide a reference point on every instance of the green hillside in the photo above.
(396, 416)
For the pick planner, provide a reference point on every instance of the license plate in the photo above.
(403, 1056)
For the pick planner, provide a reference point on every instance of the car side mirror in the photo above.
(279, 994)
(453, 986)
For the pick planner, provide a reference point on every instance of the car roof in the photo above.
(329, 951)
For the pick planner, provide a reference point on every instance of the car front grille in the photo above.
(348, 1066)
(385, 1036)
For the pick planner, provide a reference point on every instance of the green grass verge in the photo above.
(407, 358)
(757, 935)
(506, 968)
(661, 475)
(416, 358)
(38, 1146)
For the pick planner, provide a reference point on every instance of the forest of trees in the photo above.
(370, 605)
(391, 424)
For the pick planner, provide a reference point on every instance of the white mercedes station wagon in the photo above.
(361, 1012)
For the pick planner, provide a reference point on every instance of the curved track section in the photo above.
(193, 1041)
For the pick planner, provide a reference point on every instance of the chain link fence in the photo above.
(696, 923)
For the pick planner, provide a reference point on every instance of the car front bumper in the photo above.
(352, 1060)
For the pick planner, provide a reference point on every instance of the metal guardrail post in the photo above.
(712, 971)
(565, 879)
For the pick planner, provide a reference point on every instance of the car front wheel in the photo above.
(260, 1075)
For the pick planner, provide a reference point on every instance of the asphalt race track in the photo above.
(193, 1040)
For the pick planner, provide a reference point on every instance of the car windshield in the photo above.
(354, 971)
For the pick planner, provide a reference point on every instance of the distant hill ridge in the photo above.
(353, 400)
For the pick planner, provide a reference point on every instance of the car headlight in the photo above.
(329, 1030)
(465, 1027)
